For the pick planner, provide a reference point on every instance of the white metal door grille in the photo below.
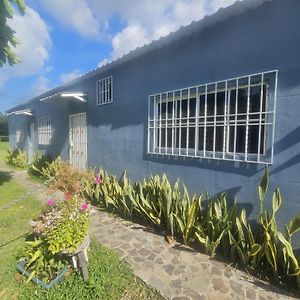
(78, 141)
(233, 119)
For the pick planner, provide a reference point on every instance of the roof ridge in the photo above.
(222, 14)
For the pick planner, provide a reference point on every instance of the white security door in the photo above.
(31, 142)
(78, 141)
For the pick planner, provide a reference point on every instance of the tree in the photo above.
(7, 38)
(3, 125)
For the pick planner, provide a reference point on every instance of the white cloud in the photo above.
(41, 85)
(66, 77)
(74, 14)
(33, 50)
(149, 20)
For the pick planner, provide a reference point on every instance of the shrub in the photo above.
(59, 230)
(62, 176)
(213, 225)
(17, 158)
(39, 163)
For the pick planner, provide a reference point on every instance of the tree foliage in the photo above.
(7, 38)
(3, 125)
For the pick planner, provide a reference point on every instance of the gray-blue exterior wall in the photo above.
(261, 39)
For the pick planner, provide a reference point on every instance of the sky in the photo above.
(61, 39)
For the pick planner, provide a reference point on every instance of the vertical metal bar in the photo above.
(180, 120)
(173, 123)
(274, 115)
(205, 117)
(166, 122)
(106, 90)
(228, 121)
(225, 125)
(187, 124)
(197, 115)
(215, 120)
(101, 92)
(236, 115)
(148, 131)
(247, 119)
(260, 116)
(155, 109)
(160, 113)
(176, 123)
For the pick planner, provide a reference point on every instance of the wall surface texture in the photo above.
(262, 39)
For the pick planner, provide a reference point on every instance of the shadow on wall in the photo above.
(288, 141)
(240, 168)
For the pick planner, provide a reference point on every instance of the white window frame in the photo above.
(172, 125)
(104, 88)
(44, 130)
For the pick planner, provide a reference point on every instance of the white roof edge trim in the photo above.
(27, 112)
(78, 96)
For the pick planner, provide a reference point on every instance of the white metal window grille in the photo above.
(44, 130)
(105, 91)
(19, 125)
(233, 119)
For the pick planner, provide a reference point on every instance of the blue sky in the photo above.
(61, 39)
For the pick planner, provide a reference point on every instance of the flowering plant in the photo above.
(64, 225)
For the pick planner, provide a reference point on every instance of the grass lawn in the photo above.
(3, 150)
(109, 277)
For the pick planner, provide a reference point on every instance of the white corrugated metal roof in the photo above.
(221, 15)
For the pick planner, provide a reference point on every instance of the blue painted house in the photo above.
(211, 104)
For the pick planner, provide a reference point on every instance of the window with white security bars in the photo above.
(233, 119)
(105, 91)
(44, 131)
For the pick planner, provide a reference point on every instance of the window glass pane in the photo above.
(192, 138)
(192, 107)
(219, 138)
(183, 138)
(210, 104)
(184, 105)
(242, 100)
(209, 138)
(240, 139)
(253, 139)
(201, 138)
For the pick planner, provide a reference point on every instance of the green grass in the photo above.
(13, 228)
(109, 277)
(3, 151)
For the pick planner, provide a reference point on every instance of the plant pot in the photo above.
(20, 267)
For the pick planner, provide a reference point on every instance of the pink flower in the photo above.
(98, 179)
(84, 206)
(50, 202)
(68, 196)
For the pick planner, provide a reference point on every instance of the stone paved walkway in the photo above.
(176, 271)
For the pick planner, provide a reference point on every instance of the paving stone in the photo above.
(144, 252)
(169, 269)
(250, 294)
(216, 271)
(228, 273)
(219, 284)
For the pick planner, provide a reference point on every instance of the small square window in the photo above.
(105, 91)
